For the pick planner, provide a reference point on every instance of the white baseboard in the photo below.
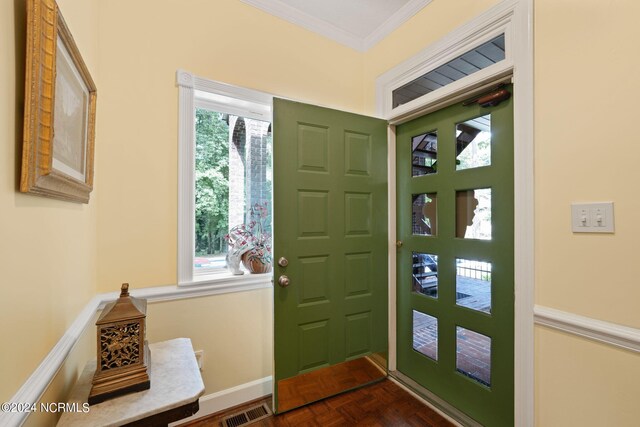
(221, 400)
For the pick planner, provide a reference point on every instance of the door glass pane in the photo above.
(425, 274)
(473, 214)
(425, 334)
(473, 284)
(424, 153)
(424, 214)
(473, 355)
(473, 143)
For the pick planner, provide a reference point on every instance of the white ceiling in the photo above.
(359, 24)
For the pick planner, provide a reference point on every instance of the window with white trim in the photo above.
(225, 173)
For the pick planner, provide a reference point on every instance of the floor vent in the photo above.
(247, 416)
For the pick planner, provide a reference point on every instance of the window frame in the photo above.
(197, 92)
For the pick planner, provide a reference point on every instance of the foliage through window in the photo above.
(212, 182)
(224, 170)
(232, 174)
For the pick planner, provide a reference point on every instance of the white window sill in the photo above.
(225, 282)
(222, 283)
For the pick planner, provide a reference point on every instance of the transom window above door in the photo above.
(470, 62)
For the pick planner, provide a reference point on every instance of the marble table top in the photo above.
(175, 381)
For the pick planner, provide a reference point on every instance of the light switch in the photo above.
(592, 217)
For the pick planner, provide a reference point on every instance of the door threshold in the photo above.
(439, 405)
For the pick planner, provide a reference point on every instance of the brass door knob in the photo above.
(283, 281)
(283, 262)
(398, 244)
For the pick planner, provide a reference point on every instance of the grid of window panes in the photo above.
(473, 286)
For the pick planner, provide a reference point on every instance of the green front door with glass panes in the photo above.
(455, 274)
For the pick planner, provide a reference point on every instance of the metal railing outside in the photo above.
(478, 270)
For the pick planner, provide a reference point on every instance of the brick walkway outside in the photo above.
(473, 349)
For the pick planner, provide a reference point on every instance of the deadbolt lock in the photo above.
(283, 262)
(398, 244)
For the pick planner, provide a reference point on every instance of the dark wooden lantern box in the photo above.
(123, 353)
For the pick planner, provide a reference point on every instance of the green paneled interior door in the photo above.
(330, 224)
(455, 273)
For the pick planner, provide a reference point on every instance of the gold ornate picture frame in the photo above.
(60, 110)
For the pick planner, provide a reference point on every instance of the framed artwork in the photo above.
(60, 110)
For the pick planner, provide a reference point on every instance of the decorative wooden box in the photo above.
(123, 353)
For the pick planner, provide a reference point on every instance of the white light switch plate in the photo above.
(592, 217)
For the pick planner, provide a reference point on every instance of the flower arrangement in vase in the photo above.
(251, 242)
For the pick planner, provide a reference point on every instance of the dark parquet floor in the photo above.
(313, 386)
(383, 404)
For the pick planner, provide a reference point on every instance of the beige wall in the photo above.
(586, 88)
(61, 386)
(133, 238)
(47, 247)
(584, 383)
(234, 330)
(585, 93)
(140, 51)
(586, 79)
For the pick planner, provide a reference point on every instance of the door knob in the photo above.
(283, 281)
(283, 262)
(398, 244)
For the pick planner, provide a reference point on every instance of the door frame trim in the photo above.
(515, 18)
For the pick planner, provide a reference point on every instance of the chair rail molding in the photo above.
(35, 386)
(612, 334)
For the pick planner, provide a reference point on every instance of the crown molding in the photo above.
(326, 29)
(311, 23)
(393, 22)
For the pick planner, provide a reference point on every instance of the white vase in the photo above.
(233, 263)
